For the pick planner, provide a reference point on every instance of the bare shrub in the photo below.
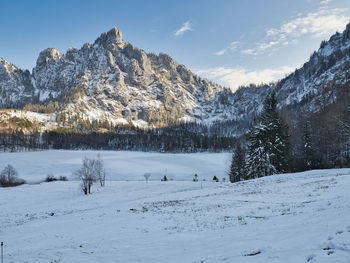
(63, 178)
(51, 178)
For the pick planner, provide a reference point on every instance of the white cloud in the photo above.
(325, 2)
(240, 76)
(185, 27)
(221, 52)
(261, 47)
(322, 23)
(248, 51)
(232, 47)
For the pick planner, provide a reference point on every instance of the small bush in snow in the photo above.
(147, 176)
(9, 177)
(51, 178)
(63, 178)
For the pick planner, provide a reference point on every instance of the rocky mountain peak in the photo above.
(47, 55)
(112, 39)
(5, 66)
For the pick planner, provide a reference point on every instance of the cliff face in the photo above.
(16, 88)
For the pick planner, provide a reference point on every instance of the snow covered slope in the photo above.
(292, 218)
(40, 121)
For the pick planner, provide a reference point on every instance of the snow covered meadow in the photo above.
(120, 165)
(303, 217)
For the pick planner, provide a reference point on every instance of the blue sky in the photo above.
(232, 42)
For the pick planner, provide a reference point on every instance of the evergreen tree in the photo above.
(268, 148)
(276, 135)
(237, 168)
(258, 163)
(308, 153)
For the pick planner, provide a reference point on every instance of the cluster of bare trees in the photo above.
(9, 177)
(91, 171)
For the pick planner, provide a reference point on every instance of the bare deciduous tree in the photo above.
(9, 177)
(87, 175)
(100, 171)
(147, 176)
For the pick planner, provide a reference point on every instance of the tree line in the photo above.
(271, 146)
(179, 138)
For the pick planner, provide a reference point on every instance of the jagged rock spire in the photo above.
(113, 38)
(47, 55)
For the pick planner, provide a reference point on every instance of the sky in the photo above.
(232, 42)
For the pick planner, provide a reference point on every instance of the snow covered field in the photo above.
(120, 165)
(302, 217)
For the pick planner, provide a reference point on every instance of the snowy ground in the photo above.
(302, 217)
(120, 165)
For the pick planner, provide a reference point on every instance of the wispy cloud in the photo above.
(187, 26)
(240, 76)
(260, 48)
(325, 2)
(232, 47)
(322, 23)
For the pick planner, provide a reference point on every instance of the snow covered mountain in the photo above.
(320, 82)
(16, 88)
(115, 81)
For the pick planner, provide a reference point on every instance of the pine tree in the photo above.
(268, 148)
(277, 135)
(258, 163)
(237, 168)
(308, 153)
